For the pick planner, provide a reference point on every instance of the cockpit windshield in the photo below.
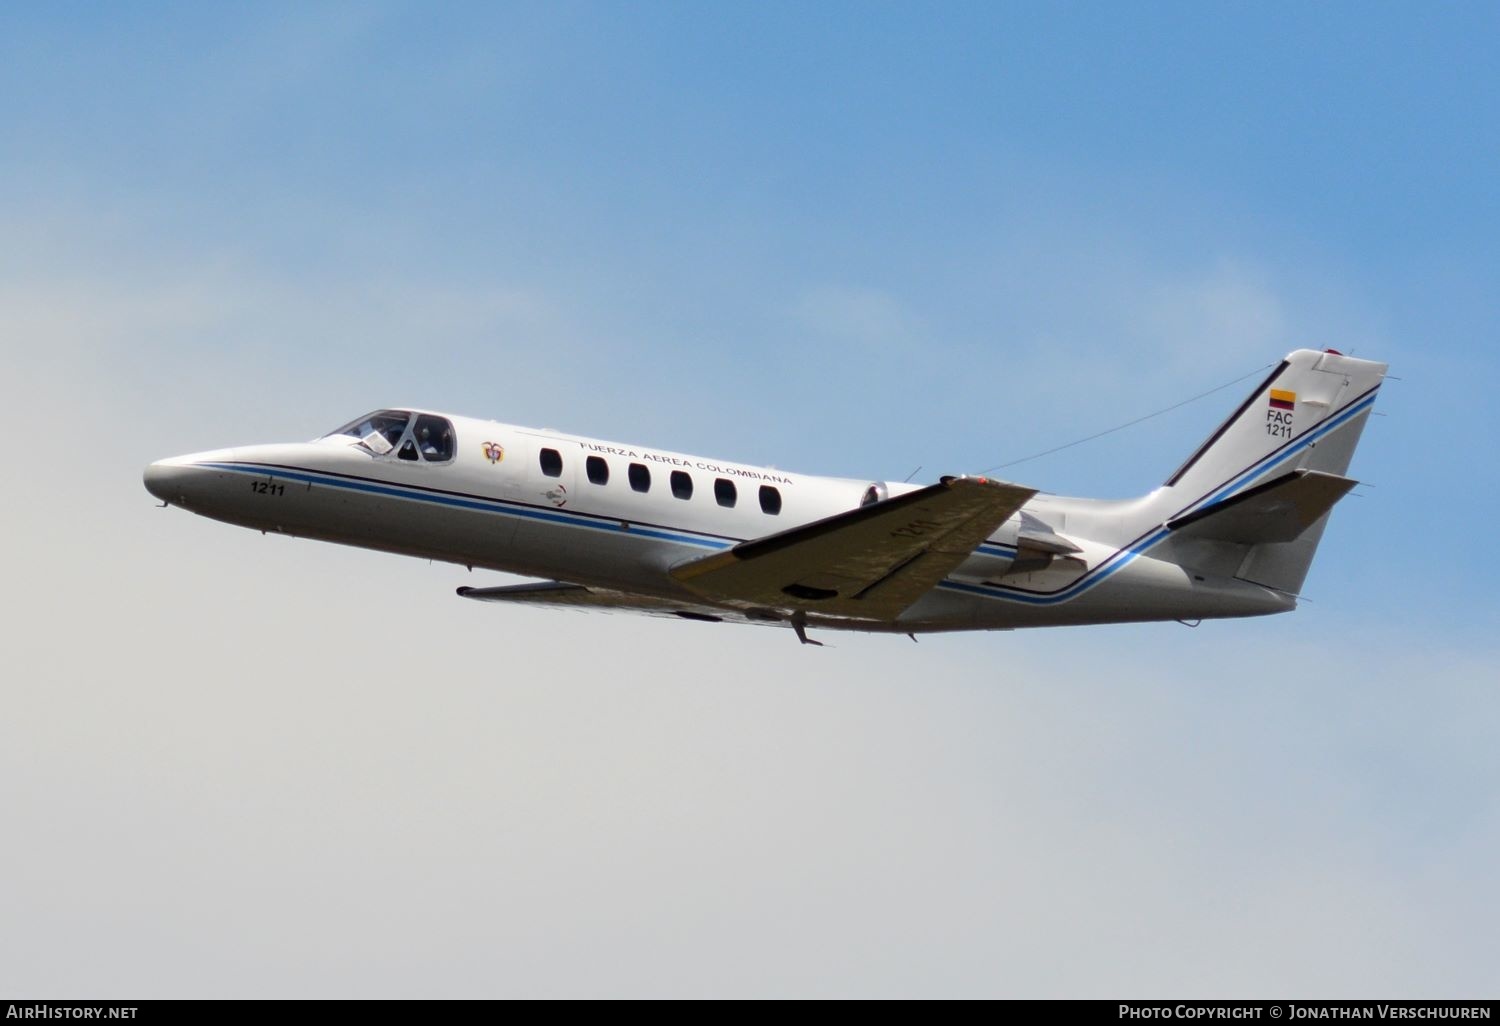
(378, 432)
(409, 436)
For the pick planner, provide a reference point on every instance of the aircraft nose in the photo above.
(164, 478)
(182, 478)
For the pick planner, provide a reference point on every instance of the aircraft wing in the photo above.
(575, 596)
(870, 563)
(565, 595)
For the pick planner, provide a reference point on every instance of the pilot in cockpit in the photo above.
(381, 434)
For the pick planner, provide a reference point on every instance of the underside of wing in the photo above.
(562, 595)
(870, 563)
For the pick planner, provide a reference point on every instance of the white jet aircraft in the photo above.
(620, 527)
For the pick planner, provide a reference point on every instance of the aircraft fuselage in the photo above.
(619, 517)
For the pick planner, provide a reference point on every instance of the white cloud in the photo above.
(1227, 310)
(855, 315)
(226, 781)
(235, 786)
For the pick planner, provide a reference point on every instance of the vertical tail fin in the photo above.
(1306, 416)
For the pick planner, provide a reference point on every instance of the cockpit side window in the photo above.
(434, 438)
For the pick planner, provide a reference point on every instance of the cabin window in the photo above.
(770, 500)
(640, 477)
(551, 461)
(408, 450)
(597, 470)
(724, 492)
(682, 484)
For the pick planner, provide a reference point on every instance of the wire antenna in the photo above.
(1129, 423)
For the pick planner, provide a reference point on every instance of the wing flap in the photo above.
(1277, 511)
(869, 563)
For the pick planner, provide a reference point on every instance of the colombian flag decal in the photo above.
(1282, 400)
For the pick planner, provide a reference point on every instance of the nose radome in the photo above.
(164, 478)
(169, 479)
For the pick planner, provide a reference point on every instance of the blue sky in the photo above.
(848, 239)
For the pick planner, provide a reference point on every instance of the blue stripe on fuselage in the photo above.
(504, 507)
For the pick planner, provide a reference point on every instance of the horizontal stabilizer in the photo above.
(1277, 511)
(869, 563)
